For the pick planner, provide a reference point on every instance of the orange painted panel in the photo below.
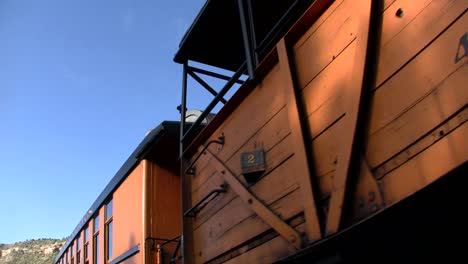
(127, 215)
(165, 213)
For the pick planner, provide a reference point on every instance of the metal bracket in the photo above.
(191, 170)
(192, 212)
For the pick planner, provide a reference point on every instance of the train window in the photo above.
(86, 245)
(108, 230)
(96, 258)
(108, 210)
(96, 224)
(72, 254)
(96, 255)
(78, 250)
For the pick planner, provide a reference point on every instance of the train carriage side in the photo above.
(354, 108)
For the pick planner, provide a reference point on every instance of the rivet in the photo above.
(249, 201)
(441, 133)
(223, 172)
(399, 12)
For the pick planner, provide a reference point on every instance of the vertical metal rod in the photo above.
(253, 38)
(183, 106)
(183, 180)
(245, 37)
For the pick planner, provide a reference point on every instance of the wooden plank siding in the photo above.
(237, 223)
(260, 122)
(256, 111)
(421, 23)
(323, 69)
(446, 154)
(268, 252)
(418, 86)
(436, 93)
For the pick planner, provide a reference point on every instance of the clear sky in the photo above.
(80, 83)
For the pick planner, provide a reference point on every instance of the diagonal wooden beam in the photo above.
(353, 93)
(301, 166)
(265, 213)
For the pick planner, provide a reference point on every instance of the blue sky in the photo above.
(80, 83)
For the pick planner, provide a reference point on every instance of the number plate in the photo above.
(253, 161)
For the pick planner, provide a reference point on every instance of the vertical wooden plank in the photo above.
(301, 165)
(145, 198)
(353, 95)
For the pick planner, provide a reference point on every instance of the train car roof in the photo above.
(160, 146)
(215, 36)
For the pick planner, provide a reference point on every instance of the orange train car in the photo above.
(136, 219)
(345, 138)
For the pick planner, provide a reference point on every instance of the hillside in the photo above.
(35, 251)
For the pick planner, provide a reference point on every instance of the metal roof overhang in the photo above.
(215, 37)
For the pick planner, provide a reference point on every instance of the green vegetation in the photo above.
(35, 251)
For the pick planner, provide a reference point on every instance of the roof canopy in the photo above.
(215, 37)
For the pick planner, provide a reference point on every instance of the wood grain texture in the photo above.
(353, 95)
(443, 156)
(403, 38)
(324, 96)
(259, 107)
(325, 44)
(268, 252)
(300, 167)
(257, 206)
(442, 101)
(437, 87)
(274, 178)
(213, 244)
(266, 137)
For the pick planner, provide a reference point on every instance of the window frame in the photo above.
(86, 245)
(108, 243)
(78, 249)
(96, 252)
(72, 253)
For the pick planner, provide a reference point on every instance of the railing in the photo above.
(159, 247)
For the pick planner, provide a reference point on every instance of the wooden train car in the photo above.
(347, 140)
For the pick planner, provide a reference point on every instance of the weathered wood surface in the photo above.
(445, 155)
(403, 37)
(300, 168)
(437, 91)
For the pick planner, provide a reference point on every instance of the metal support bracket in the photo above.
(205, 85)
(191, 169)
(192, 212)
(265, 213)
